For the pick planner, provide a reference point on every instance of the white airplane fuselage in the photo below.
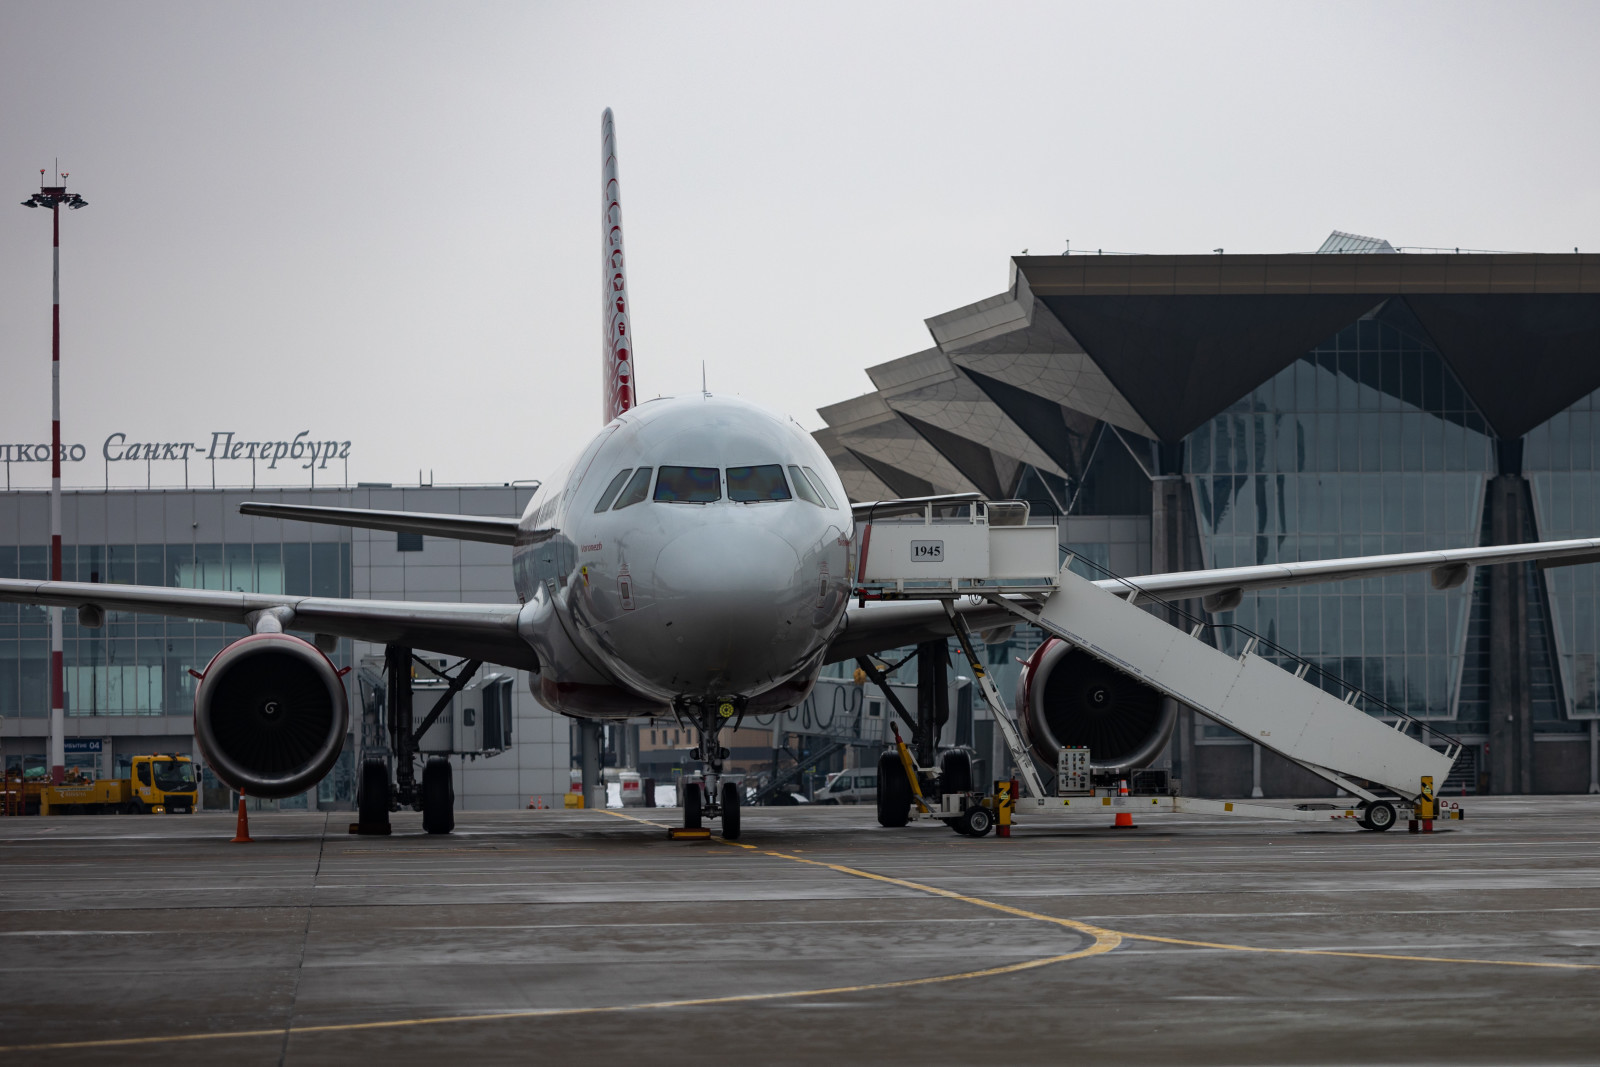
(633, 606)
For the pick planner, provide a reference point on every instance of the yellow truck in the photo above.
(156, 785)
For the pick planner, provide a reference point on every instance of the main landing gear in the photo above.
(396, 737)
(714, 794)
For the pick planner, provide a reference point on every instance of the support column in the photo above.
(1594, 755)
(397, 663)
(933, 699)
(1175, 546)
(1510, 714)
(589, 741)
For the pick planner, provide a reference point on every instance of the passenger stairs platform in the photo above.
(1016, 566)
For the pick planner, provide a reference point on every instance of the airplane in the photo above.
(696, 560)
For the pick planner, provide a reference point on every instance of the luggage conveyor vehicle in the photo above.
(1388, 766)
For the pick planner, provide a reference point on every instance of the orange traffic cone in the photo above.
(1124, 819)
(241, 836)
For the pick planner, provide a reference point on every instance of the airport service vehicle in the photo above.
(156, 785)
(697, 561)
(858, 786)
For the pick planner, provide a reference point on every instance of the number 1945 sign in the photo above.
(927, 551)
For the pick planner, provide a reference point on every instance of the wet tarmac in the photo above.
(535, 937)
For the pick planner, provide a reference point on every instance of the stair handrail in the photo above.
(1255, 641)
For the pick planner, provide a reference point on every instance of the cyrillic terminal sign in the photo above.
(225, 444)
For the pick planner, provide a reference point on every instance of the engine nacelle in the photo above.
(1067, 698)
(270, 715)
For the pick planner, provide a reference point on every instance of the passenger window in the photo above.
(611, 490)
(757, 483)
(821, 488)
(638, 488)
(803, 487)
(144, 774)
(689, 485)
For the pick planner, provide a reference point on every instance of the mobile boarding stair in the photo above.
(993, 553)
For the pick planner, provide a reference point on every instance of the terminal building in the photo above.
(1184, 412)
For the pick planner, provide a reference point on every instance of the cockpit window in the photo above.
(689, 485)
(821, 488)
(803, 488)
(765, 482)
(611, 490)
(638, 488)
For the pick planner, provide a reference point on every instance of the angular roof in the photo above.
(1338, 242)
(1156, 345)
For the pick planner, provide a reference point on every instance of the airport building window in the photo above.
(1366, 445)
(638, 489)
(749, 484)
(139, 664)
(611, 490)
(407, 541)
(1560, 458)
(689, 485)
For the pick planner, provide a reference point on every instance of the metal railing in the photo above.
(1202, 626)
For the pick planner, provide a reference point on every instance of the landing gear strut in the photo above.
(718, 795)
(398, 737)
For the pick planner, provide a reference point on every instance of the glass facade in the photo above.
(139, 664)
(1366, 445)
(1561, 459)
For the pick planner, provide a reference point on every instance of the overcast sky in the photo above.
(379, 222)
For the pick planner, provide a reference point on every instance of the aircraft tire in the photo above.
(691, 806)
(730, 811)
(894, 792)
(372, 808)
(955, 766)
(438, 796)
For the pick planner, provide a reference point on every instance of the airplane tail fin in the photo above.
(619, 389)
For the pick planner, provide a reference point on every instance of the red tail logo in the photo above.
(618, 387)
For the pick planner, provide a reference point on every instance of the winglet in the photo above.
(619, 389)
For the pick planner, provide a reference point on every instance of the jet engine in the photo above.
(1067, 698)
(270, 715)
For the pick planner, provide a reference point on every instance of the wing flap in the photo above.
(1447, 564)
(488, 528)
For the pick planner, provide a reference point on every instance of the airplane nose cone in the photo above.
(729, 566)
(732, 611)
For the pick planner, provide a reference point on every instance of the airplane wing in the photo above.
(1223, 587)
(877, 626)
(492, 529)
(477, 631)
(885, 624)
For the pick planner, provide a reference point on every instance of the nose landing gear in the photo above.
(714, 794)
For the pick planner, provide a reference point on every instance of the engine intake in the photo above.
(270, 715)
(1068, 698)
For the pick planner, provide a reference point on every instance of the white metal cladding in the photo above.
(1251, 695)
(959, 553)
(917, 551)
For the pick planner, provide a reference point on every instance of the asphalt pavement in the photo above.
(546, 936)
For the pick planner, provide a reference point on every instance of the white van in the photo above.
(856, 786)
